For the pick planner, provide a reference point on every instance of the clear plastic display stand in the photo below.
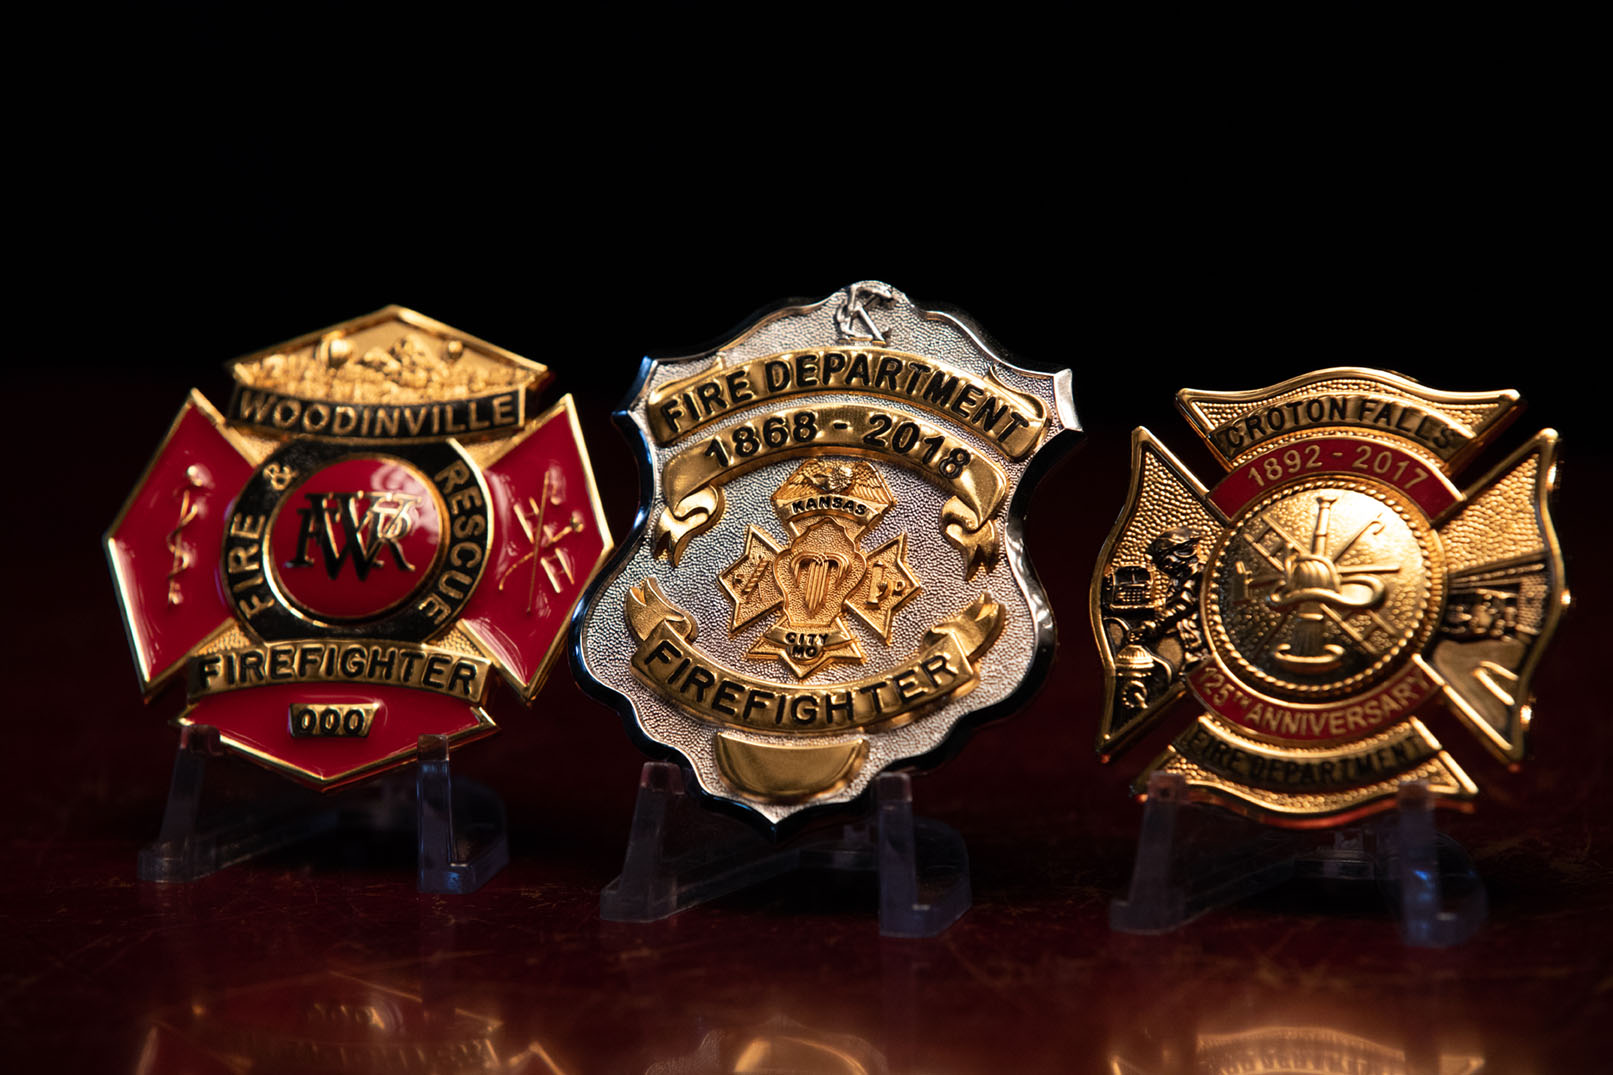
(679, 853)
(1193, 858)
(460, 825)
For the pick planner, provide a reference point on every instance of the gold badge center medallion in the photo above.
(1322, 588)
(827, 506)
(829, 578)
(1331, 585)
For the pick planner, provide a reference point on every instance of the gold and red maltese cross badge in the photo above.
(337, 563)
(1326, 591)
(829, 578)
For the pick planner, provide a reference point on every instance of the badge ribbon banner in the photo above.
(668, 661)
(1016, 421)
(694, 477)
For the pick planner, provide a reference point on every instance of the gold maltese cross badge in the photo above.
(1320, 598)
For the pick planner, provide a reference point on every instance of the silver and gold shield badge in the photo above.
(1326, 591)
(828, 575)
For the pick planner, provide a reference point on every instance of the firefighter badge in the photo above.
(1331, 586)
(338, 562)
(828, 578)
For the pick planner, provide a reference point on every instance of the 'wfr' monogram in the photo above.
(386, 521)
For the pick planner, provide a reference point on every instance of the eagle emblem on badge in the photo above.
(1329, 588)
(828, 577)
(337, 562)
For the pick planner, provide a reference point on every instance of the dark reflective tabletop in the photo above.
(324, 958)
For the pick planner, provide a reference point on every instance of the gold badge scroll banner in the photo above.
(372, 661)
(667, 661)
(1012, 420)
(693, 479)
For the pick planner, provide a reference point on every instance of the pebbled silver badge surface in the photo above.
(828, 576)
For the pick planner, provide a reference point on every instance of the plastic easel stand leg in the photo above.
(1441, 901)
(1178, 875)
(924, 882)
(1184, 867)
(645, 891)
(1155, 902)
(463, 859)
(680, 854)
(186, 850)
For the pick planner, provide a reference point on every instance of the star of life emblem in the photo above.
(828, 579)
(338, 562)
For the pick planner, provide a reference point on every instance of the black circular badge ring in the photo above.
(467, 536)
